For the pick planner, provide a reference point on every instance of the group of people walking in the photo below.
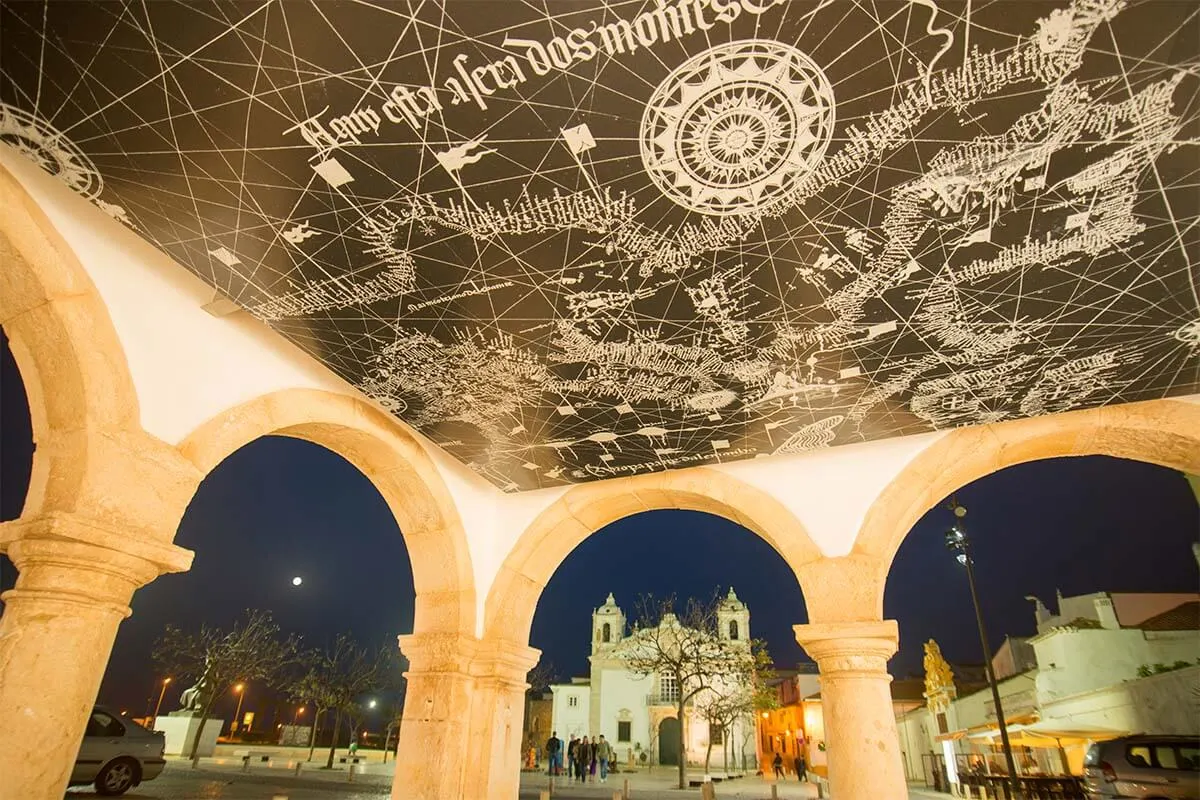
(801, 768)
(584, 758)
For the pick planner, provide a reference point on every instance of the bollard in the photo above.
(774, 792)
(350, 775)
(625, 790)
(299, 765)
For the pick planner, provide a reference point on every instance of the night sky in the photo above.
(280, 507)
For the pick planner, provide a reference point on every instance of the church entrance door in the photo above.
(668, 741)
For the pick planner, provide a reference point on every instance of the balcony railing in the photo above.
(668, 699)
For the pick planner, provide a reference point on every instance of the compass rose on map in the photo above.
(735, 126)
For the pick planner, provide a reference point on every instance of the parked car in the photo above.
(1144, 767)
(117, 754)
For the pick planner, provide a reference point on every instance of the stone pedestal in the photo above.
(180, 728)
(73, 588)
(863, 746)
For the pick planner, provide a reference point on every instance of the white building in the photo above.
(638, 713)
(1106, 665)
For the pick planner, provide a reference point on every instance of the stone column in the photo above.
(856, 702)
(73, 589)
(498, 720)
(435, 744)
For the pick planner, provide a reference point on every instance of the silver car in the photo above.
(117, 754)
(1144, 767)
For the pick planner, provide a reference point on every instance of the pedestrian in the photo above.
(553, 753)
(604, 754)
(801, 768)
(572, 751)
(583, 758)
(778, 764)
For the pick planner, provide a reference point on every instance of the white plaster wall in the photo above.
(568, 719)
(831, 490)
(916, 730)
(1158, 704)
(1086, 660)
(624, 690)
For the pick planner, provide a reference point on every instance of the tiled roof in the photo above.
(1183, 617)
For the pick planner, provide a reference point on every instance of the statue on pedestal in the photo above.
(192, 699)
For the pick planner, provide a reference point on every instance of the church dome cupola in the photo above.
(608, 625)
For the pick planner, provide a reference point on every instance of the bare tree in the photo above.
(728, 703)
(689, 650)
(335, 679)
(251, 650)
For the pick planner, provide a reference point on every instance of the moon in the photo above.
(296, 581)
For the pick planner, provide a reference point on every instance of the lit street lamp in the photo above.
(160, 696)
(958, 543)
(240, 689)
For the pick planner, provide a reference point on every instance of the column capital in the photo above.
(505, 661)
(66, 558)
(848, 648)
(438, 652)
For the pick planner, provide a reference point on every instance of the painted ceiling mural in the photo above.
(576, 240)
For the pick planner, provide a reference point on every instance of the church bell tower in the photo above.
(733, 619)
(608, 626)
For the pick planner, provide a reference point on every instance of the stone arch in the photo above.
(90, 446)
(586, 508)
(1162, 432)
(392, 459)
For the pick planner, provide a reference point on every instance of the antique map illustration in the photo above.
(570, 240)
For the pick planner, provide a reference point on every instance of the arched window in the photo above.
(733, 629)
(606, 635)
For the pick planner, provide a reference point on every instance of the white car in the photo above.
(117, 754)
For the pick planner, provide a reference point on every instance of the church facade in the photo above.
(638, 713)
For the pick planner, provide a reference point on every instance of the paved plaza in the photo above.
(221, 779)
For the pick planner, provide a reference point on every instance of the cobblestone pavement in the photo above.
(179, 782)
(225, 782)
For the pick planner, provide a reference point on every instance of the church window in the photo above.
(668, 688)
(733, 629)
(624, 730)
(606, 633)
(716, 734)
(572, 701)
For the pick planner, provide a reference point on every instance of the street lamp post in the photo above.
(957, 542)
(240, 689)
(161, 692)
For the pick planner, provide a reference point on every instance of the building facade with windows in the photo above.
(638, 713)
(1107, 664)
